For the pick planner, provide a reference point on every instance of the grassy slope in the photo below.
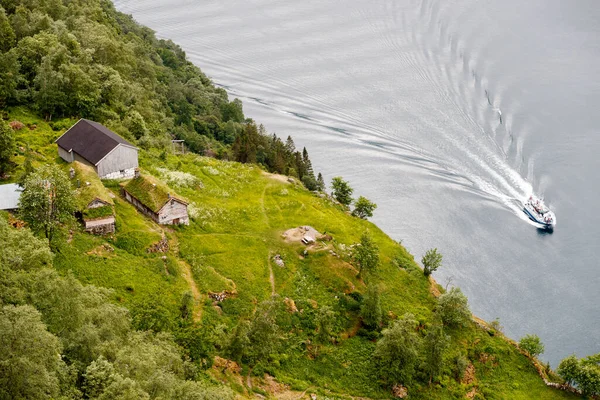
(239, 214)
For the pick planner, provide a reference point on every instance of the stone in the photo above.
(278, 260)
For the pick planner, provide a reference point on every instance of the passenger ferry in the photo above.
(538, 212)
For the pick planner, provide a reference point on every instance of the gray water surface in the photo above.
(446, 114)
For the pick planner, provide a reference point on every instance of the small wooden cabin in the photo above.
(94, 201)
(93, 144)
(154, 200)
(99, 217)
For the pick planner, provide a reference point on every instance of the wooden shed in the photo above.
(93, 144)
(153, 199)
(95, 205)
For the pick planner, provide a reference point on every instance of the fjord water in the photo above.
(446, 114)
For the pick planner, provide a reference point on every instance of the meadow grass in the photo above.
(238, 214)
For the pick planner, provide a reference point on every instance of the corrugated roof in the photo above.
(9, 196)
(91, 140)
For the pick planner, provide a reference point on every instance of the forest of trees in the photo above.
(63, 340)
(84, 59)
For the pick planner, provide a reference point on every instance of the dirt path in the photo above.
(264, 209)
(186, 272)
(271, 275)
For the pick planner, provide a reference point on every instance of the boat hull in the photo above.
(537, 219)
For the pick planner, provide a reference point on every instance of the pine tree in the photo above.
(320, 183)
(308, 169)
(371, 311)
(299, 164)
(290, 147)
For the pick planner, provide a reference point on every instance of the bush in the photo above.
(431, 261)
(532, 344)
(453, 308)
(363, 208)
(342, 191)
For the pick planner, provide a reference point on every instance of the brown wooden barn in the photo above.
(154, 200)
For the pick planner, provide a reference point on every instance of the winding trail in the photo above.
(186, 273)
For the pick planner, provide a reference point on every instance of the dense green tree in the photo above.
(7, 147)
(239, 343)
(80, 316)
(453, 308)
(187, 305)
(532, 344)
(136, 124)
(9, 77)
(363, 208)
(324, 322)
(30, 364)
(7, 35)
(233, 111)
(290, 147)
(366, 254)
(435, 343)
(320, 183)
(370, 309)
(98, 376)
(588, 378)
(152, 314)
(264, 334)
(308, 169)
(568, 369)
(342, 191)
(21, 250)
(47, 200)
(49, 96)
(245, 147)
(397, 352)
(431, 261)
(310, 183)
(584, 373)
(199, 343)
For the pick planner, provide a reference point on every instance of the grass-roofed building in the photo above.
(94, 201)
(153, 199)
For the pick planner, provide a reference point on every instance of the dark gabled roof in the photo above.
(90, 140)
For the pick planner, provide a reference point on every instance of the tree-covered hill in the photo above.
(84, 59)
(230, 307)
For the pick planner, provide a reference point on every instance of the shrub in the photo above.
(432, 260)
(453, 308)
(532, 344)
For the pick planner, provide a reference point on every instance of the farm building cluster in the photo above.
(96, 153)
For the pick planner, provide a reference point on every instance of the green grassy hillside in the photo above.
(225, 261)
